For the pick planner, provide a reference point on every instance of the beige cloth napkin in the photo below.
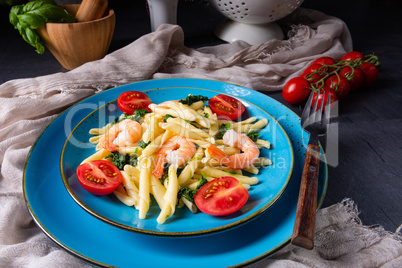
(27, 106)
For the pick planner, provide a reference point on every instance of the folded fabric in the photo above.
(27, 106)
(342, 241)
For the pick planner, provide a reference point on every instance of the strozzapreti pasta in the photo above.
(171, 151)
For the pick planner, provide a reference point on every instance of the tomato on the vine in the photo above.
(370, 74)
(352, 56)
(130, 101)
(339, 84)
(296, 90)
(353, 75)
(323, 94)
(99, 177)
(221, 196)
(226, 107)
(338, 78)
(314, 73)
(324, 61)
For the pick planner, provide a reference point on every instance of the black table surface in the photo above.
(370, 121)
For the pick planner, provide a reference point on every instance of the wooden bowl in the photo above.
(74, 44)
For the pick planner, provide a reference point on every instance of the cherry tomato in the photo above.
(99, 177)
(324, 94)
(340, 84)
(354, 55)
(324, 61)
(130, 101)
(226, 107)
(353, 75)
(296, 90)
(221, 196)
(314, 72)
(370, 74)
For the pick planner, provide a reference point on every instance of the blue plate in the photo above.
(273, 179)
(100, 243)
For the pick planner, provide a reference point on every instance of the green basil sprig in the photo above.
(30, 16)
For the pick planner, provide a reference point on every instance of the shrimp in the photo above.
(175, 151)
(125, 133)
(237, 161)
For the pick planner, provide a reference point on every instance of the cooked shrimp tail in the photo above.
(125, 133)
(236, 161)
(175, 151)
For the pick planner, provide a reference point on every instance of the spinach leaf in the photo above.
(190, 99)
(143, 144)
(189, 194)
(30, 16)
(138, 114)
(120, 160)
(222, 130)
(167, 116)
(253, 136)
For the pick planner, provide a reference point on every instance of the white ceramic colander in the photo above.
(253, 20)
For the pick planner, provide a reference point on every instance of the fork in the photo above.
(316, 125)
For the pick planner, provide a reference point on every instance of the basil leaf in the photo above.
(26, 18)
(9, 2)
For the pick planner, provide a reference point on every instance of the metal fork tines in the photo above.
(313, 123)
(316, 124)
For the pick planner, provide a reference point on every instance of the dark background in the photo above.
(370, 121)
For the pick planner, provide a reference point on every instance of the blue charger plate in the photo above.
(272, 183)
(101, 243)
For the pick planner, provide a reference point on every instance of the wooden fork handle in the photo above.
(303, 232)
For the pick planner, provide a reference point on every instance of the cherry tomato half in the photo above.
(296, 90)
(340, 84)
(352, 56)
(370, 73)
(130, 101)
(324, 95)
(99, 177)
(353, 75)
(226, 107)
(221, 196)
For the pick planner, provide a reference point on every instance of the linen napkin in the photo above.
(27, 106)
